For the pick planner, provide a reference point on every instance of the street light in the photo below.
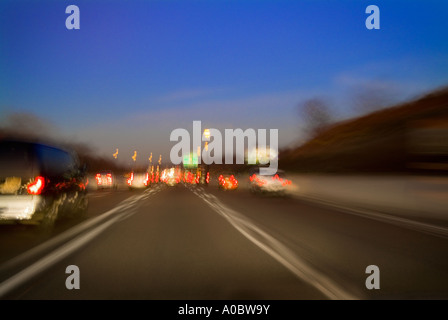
(207, 134)
(206, 137)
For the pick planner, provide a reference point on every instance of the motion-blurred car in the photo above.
(40, 183)
(171, 176)
(138, 180)
(204, 175)
(227, 182)
(190, 177)
(106, 180)
(274, 184)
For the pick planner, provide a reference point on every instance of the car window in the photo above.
(56, 162)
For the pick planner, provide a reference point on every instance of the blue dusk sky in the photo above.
(136, 70)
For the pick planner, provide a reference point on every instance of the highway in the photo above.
(199, 242)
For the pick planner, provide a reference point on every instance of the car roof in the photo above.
(30, 142)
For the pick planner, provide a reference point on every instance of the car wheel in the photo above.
(50, 217)
(82, 206)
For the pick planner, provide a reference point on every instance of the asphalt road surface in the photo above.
(194, 242)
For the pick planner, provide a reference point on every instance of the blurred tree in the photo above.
(316, 115)
(27, 125)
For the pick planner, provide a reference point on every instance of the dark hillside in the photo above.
(405, 138)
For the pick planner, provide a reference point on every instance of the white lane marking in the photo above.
(128, 209)
(432, 229)
(276, 249)
(75, 230)
(402, 222)
(52, 258)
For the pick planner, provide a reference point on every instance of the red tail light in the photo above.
(36, 186)
(146, 179)
(131, 179)
(109, 178)
(98, 179)
(233, 181)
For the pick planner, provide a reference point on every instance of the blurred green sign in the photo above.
(191, 160)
